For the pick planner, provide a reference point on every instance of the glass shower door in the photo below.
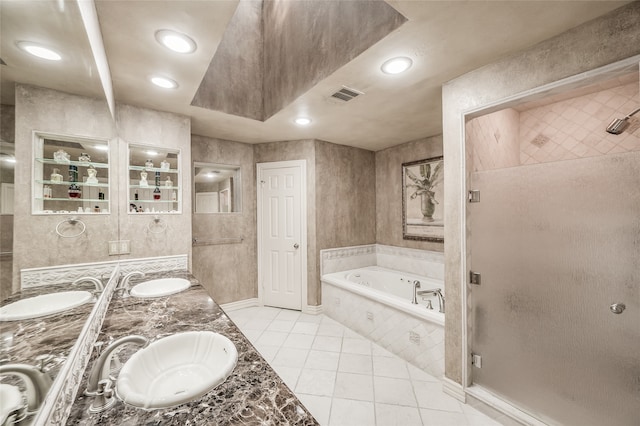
(557, 245)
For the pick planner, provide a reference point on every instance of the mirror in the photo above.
(217, 188)
(58, 25)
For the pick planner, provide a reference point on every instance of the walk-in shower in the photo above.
(617, 126)
(554, 237)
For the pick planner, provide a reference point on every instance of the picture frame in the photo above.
(423, 200)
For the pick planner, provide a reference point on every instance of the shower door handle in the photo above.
(617, 308)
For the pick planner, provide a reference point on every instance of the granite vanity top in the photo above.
(253, 394)
(23, 341)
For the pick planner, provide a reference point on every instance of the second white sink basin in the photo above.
(176, 369)
(46, 304)
(160, 287)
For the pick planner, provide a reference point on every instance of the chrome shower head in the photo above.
(617, 126)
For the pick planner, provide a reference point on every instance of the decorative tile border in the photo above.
(420, 262)
(35, 277)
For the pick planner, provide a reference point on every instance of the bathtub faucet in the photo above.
(416, 286)
(438, 293)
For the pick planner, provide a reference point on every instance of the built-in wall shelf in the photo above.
(70, 174)
(161, 170)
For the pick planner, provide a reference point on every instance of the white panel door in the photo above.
(281, 246)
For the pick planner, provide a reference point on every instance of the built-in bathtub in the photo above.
(377, 303)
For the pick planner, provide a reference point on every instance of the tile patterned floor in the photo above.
(344, 379)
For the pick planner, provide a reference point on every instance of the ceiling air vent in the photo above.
(346, 94)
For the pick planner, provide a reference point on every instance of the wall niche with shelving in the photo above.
(70, 175)
(154, 180)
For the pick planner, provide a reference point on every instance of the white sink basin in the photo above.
(11, 398)
(160, 287)
(176, 369)
(45, 304)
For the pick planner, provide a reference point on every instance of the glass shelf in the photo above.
(72, 163)
(152, 201)
(96, 185)
(154, 187)
(153, 169)
(78, 200)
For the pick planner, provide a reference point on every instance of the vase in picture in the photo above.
(428, 207)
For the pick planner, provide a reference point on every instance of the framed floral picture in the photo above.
(423, 200)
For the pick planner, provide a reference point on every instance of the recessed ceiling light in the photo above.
(303, 121)
(102, 147)
(39, 51)
(9, 159)
(175, 41)
(152, 152)
(164, 82)
(396, 65)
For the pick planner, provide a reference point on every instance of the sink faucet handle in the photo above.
(105, 388)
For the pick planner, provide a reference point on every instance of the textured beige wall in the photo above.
(345, 198)
(163, 130)
(217, 266)
(35, 241)
(610, 38)
(299, 150)
(388, 178)
(7, 134)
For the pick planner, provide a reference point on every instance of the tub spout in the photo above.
(99, 384)
(416, 286)
(438, 293)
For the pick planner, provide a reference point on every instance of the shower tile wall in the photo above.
(575, 128)
(563, 127)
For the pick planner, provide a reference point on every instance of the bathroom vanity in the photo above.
(252, 394)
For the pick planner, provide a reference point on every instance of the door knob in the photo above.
(295, 246)
(617, 308)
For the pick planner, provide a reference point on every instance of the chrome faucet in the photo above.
(99, 383)
(37, 383)
(416, 286)
(95, 281)
(438, 293)
(124, 282)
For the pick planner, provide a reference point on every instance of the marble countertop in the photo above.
(23, 341)
(253, 394)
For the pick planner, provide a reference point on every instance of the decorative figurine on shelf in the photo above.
(165, 165)
(156, 192)
(149, 164)
(168, 183)
(46, 192)
(174, 196)
(60, 156)
(74, 190)
(91, 179)
(143, 180)
(84, 159)
(56, 177)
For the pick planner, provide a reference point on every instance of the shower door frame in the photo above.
(573, 82)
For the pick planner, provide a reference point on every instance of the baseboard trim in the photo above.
(454, 389)
(312, 310)
(241, 304)
(478, 394)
